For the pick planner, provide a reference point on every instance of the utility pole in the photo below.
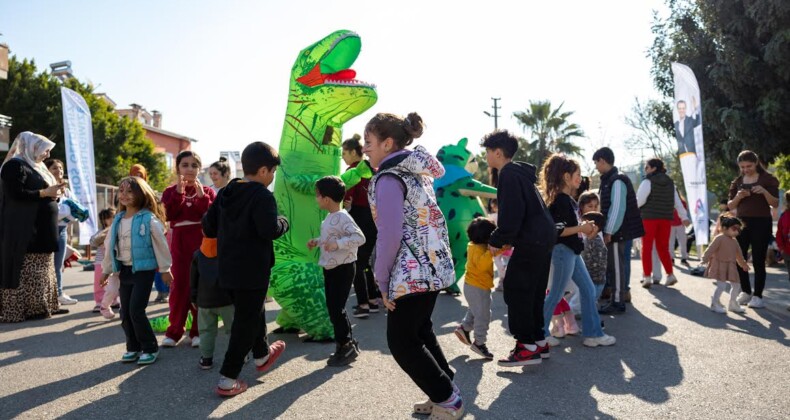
(495, 115)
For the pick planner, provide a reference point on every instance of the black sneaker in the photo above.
(374, 308)
(521, 356)
(612, 308)
(206, 362)
(463, 335)
(344, 354)
(482, 350)
(360, 312)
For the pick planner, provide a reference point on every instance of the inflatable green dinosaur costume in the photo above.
(323, 95)
(458, 195)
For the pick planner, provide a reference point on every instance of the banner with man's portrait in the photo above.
(687, 115)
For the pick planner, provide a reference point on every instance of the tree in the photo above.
(549, 132)
(740, 52)
(33, 100)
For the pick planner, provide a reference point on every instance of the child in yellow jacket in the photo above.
(478, 283)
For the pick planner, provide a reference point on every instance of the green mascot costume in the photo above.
(323, 95)
(458, 195)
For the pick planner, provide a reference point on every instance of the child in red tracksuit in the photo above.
(783, 233)
(185, 203)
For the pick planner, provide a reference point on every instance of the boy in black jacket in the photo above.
(212, 302)
(524, 223)
(244, 220)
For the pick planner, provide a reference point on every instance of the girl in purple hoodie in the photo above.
(413, 261)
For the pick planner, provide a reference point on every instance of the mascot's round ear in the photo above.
(463, 142)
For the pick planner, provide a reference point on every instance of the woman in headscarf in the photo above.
(28, 231)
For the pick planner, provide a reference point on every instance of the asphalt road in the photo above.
(674, 358)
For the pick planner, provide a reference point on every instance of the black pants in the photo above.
(414, 346)
(248, 331)
(757, 234)
(135, 292)
(337, 285)
(615, 270)
(525, 285)
(364, 285)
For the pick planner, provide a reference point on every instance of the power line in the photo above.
(495, 115)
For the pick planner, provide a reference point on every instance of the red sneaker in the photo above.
(521, 356)
(275, 350)
(544, 351)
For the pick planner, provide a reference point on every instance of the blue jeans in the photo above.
(60, 256)
(159, 284)
(567, 265)
(627, 258)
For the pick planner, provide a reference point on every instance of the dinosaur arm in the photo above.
(477, 188)
(352, 176)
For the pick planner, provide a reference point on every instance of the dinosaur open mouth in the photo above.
(334, 68)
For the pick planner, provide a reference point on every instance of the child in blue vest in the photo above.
(136, 249)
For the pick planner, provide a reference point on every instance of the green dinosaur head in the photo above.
(324, 93)
(456, 155)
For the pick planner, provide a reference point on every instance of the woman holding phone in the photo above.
(28, 238)
(752, 195)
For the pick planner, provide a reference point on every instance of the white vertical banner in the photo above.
(78, 129)
(687, 115)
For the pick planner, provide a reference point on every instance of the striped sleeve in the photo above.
(617, 209)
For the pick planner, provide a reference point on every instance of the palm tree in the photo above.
(549, 131)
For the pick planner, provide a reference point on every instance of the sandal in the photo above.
(238, 387)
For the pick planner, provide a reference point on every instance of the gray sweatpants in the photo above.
(478, 316)
(208, 318)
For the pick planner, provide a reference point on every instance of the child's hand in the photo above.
(181, 184)
(390, 305)
(103, 281)
(745, 267)
(330, 245)
(167, 277)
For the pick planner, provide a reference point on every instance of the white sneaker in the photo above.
(65, 299)
(756, 302)
(604, 340)
(195, 341)
(671, 280)
(169, 342)
(743, 298)
(735, 307)
(552, 342)
(718, 308)
(647, 282)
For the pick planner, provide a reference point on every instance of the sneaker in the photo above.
(116, 306)
(684, 262)
(130, 356)
(756, 302)
(612, 308)
(235, 388)
(656, 280)
(557, 327)
(735, 307)
(671, 280)
(718, 308)
(442, 412)
(463, 335)
(482, 350)
(545, 351)
(604, 340)
(147, 358)
(374, 308)
(206, 363)
(107, 313)
(169, 342)
(552, 342)
(344, 355)
(423, 407)
(275, 351)
(647, 282)
(521, 356)
(65, 299)
(196, 341)
(743, 298)
(360, 312)
(96, 309)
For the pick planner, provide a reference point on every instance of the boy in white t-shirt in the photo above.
(340, 238)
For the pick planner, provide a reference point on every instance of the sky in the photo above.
(219, 70)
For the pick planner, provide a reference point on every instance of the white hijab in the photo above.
(27, 147)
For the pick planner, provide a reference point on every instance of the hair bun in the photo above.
(413, 125)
